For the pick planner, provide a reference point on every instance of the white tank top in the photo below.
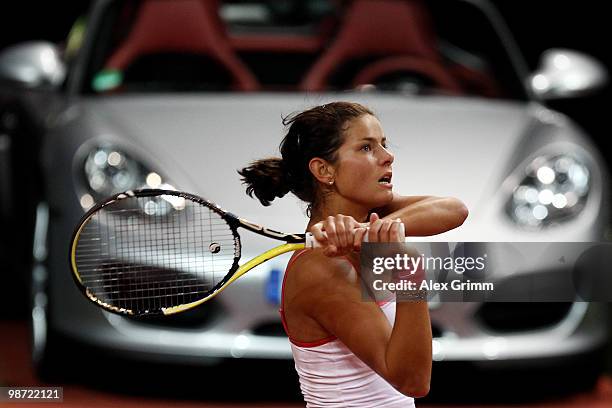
(332, 376)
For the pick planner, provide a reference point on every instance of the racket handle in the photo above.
(403, 230)
(312, 243)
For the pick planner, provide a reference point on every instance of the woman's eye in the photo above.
(366, 148)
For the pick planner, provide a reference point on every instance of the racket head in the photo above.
(143, 252)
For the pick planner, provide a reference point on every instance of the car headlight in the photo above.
(109, 170)
(554, 188)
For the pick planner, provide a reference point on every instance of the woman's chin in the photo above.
(388, 197)
(381, 199)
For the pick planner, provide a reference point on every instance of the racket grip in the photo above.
(312, 243)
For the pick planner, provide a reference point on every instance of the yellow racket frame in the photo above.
(244, 268)
(272, 253)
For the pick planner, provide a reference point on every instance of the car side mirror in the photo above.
(32, 65)
(566, 73)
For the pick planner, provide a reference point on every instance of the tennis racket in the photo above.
(155, 251)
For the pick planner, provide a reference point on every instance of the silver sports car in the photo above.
(179, 94)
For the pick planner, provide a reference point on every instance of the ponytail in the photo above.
(266, 179)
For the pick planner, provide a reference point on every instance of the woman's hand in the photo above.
(339, 234)
(385, 230)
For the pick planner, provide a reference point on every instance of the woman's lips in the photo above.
(386, 185)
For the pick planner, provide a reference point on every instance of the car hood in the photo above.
(443, 146)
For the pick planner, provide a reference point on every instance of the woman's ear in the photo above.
(322, 170)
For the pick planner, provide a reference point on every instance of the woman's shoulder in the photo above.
(315, 267)
(316, 285)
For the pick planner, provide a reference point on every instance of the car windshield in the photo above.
(408, 46)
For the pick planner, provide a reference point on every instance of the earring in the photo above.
(330, 182)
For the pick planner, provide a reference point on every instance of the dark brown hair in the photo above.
(316, 132)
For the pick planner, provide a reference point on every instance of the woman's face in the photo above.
(363, 169)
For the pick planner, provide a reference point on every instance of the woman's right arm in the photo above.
(400, 354)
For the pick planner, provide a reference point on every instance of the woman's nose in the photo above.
(387, 156)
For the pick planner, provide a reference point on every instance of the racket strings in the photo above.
(146, 253)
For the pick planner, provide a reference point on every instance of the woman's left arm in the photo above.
(425, 215)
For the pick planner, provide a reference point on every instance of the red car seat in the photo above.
(182, 26)
(394, 34)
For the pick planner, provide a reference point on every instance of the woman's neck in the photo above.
(358, 212)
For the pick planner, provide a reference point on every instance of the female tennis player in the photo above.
(349, 351)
